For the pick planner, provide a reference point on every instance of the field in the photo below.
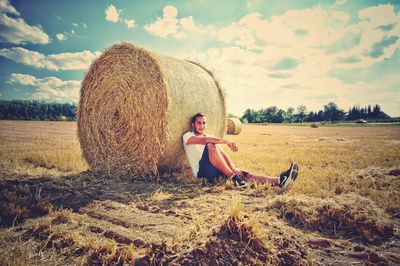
(343, 208)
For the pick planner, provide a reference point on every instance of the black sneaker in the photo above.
(287, 177)
(238, 182)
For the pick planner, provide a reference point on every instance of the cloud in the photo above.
(170, 25)
(341, 2)
(130, 23)
(378, 29)
(312, 27)
(348, 60)
(327, 33)
(72, 34)
(61, 37)
(50, 88)
(63, 61)
(287, 60)
(255, 4)
(6, 7)
(16, 30)
(378, 15)
(167, 25)
(112, 14)
(346, 42)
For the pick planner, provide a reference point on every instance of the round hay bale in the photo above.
(135, 106)
(234, 126)
(62, 118)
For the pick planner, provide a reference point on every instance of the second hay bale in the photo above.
(135, 106)
(234, 126)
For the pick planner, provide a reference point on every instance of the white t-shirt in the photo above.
(193, 152)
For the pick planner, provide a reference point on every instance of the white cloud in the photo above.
(307, 44)
(6, 7)
(112, 14)
(341, 2)
(24, 56)
(61, 37)
(255, 5)
(63, 61)
(16, 30)
(314, 27)
(73, 61)
(373, 45)
(378, 15)
(322, 32)
(130, 23)
(51, 88)
(170, 12)
(166, 25)
(170, 25)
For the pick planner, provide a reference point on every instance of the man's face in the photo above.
(200, 125)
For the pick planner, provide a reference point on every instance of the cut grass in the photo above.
(347, 194)
(348, 216)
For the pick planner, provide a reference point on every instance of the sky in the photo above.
(263, 52)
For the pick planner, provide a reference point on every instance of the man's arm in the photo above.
(214, 140)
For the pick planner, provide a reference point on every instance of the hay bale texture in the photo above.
(234, 126)
(135, 105)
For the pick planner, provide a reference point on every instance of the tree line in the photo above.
(331, 112)
(36, 110)
(40, 110)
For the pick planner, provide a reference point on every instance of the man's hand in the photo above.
(239, 173)
(232, 146)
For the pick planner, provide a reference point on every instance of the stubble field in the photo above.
(343, 208)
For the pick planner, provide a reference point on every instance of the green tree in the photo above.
(249, 116)
(301, 113)
(333, 113)
(289, 115)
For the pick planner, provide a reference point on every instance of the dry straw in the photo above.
(135, 105)
(234, 126)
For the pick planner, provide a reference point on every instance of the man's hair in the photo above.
(197, 115)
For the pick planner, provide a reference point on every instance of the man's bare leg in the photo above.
(274, 181)
(251, 177)
(227, 159)
(218, 160)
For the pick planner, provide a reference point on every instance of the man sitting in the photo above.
(207, 159)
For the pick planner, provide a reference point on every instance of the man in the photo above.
(209, 160)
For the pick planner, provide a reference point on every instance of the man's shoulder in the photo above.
(188, 133)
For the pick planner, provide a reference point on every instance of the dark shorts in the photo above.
(206, 169)
(209, 171)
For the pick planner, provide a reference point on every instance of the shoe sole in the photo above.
(236, 184)
(294, 169)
